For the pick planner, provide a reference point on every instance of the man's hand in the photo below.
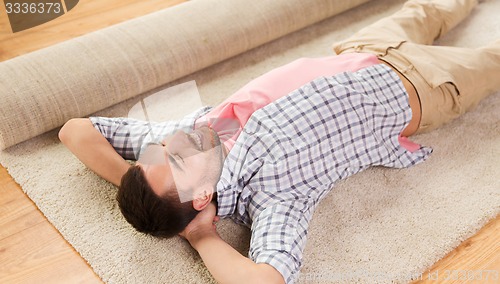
(201, 226)
(224, 262)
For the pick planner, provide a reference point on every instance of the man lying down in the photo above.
(268, 154)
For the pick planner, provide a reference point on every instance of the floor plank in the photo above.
(87, 16)
(31, 249)
(478, 258)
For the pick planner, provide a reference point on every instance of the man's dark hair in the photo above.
(160, 216)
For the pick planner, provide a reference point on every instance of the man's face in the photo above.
(191, 162)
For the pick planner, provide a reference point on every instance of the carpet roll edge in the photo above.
(58, 73)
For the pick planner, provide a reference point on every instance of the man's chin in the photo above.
(210, 136)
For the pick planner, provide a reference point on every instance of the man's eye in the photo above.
(174, 158)
(171, 159)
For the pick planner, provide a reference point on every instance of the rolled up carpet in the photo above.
(42, 90)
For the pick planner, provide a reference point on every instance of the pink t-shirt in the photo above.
(229, 117)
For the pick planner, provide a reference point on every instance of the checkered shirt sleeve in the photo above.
(292, 152)
(129, 136)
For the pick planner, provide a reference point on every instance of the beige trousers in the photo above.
(449, 80)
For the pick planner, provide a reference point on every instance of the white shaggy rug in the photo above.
(383, 225)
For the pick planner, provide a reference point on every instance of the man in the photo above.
(268, 154)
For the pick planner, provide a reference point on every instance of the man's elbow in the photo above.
(72, 130)
(64, 132)
(268, 274)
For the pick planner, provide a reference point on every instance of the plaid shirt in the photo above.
(291, 153)
(129, 136)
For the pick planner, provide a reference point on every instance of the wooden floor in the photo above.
(33, 251)
(87, 16)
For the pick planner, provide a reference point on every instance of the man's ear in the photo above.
(202, 199)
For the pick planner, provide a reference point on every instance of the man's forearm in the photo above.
(228, 266)
(88, 145)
